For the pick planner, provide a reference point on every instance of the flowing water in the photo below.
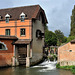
(45, 68)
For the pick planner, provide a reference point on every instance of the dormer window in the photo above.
(0, 17)
(22, 16)
(7, 16)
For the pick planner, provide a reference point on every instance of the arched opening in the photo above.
(2, 46)
(38, 33)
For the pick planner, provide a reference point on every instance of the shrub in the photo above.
(58, 65)
(73, 69)
(51, 59)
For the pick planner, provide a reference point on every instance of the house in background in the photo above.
(21, 35)
(66, 54)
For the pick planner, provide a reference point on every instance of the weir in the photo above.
(46, 65)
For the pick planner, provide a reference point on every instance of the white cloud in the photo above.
(58, 12)
(6, 3)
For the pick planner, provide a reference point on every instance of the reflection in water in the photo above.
(45, 68)
(65, 72)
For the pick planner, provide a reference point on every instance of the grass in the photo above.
(72, 68)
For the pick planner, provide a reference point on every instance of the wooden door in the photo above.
(22, 54)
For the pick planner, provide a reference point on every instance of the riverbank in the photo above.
(72, 68)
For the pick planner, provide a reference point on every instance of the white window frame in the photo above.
(22, 17)
(4, 46)
(7, 16)
(24, 32)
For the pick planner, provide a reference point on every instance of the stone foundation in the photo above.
(67, 63)
(37, 57)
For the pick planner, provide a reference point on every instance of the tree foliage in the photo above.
(50, 38)
(72, 32)
(46, 27)
(70, 38)
(60, 37)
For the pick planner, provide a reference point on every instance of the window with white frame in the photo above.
(7, 16)
(22, 31)
(22, 17)
(7, 20)
(7, 32)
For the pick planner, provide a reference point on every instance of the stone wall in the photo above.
(37, 57)
(37, 44)
(67, 63)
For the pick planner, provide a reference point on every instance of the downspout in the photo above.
(16, 28)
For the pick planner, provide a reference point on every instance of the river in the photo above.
(45, 68)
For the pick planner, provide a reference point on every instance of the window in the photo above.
(0, 17)
(7, 31)
(7, 19)
(70, 50)
(22, 32)
(2, 46)
(39, 34)
(22, 18)
(7, 16)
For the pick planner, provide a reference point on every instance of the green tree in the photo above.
(70, 38)
(46, 27)
(72, 31)
(50, 38)
(60, 37)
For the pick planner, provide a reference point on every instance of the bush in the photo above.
(73, 69)
(51, 59)
(58, 65)
(66, 67)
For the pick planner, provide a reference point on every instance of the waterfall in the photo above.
(46, 66)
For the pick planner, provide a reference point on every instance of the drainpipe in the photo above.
(13, 58)
(16, 28)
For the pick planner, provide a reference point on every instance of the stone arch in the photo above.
(3, 46)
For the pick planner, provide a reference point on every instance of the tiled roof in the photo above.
(73, 41)
(32, 12)
(8, 37)
(22, 41)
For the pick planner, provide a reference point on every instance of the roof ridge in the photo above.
(31, 11)
(38, 8)
(19, 7)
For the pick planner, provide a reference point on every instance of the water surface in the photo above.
(45, 68)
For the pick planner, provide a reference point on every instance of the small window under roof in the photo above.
(7, 15)
(0, 17)
(22, 14)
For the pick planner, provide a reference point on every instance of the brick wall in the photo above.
(66, 54)
(6, 55)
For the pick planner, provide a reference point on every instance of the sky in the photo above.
(58, 12)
